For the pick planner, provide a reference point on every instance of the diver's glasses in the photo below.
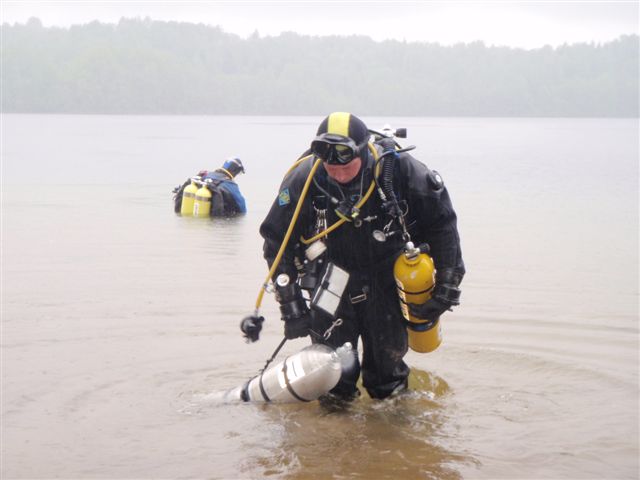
(334, 148)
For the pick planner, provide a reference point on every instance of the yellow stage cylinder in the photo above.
(415, 278)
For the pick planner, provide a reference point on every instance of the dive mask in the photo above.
(334, 148)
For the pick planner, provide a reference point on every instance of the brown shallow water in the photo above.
(120, 320)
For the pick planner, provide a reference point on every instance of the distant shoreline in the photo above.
(144, 67)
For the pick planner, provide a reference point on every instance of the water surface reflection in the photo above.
(402, 437)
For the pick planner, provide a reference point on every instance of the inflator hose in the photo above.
(292, 224)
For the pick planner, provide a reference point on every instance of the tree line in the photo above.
(141, 66)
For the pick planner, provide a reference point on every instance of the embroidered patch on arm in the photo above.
(284, 198)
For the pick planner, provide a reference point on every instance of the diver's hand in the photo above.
(429, 310)
(251, 327)
(446, 294)
(297, 327)
(293, 308)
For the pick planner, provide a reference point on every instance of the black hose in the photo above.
(389, 151)
(278, 348)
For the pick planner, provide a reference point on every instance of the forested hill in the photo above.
(149, 67)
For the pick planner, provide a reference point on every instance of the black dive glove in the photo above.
(251, 327)
(446, 294)
(293, 308)
(429, 310)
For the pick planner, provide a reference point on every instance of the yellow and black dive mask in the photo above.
(334, 149)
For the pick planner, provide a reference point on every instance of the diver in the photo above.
(371, 234)
(225, 199)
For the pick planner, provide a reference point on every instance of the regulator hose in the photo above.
(390, 202)
(387, 186)
(389, 155)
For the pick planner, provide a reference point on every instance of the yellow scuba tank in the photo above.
(202, 203)
(188, 197)
(414, 273)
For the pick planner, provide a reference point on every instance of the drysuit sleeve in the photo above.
(435, 217)
(277, 221)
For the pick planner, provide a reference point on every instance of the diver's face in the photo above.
(343, 173)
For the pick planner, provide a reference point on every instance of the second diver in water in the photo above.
(225, 199)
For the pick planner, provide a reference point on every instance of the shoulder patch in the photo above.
(435, 180)
(284, 198)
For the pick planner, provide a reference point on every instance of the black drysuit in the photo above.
(369, 306)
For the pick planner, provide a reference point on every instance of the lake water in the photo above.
(120, 319)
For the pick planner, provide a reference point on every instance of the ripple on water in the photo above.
(513, 408)
(402, 436)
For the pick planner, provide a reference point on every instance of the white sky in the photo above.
(526, 24)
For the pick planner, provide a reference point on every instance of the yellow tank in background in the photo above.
(188, 199)
(202, 202)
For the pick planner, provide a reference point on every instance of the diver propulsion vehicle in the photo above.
(301, 377)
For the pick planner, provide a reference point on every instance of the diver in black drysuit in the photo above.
(369, 306)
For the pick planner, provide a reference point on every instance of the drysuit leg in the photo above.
(385, 342)
(379, 321)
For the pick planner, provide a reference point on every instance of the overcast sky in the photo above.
(512, 23)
